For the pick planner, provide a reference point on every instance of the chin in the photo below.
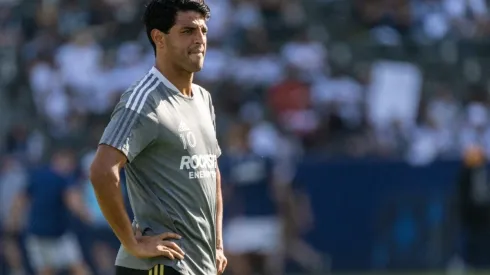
(196, 67)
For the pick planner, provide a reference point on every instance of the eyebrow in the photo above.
(194, 27)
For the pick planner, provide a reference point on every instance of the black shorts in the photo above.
(157, 270)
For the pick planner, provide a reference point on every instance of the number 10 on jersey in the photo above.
(188, 139)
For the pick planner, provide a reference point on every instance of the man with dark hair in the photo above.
(163, 133)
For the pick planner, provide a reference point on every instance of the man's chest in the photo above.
(186, 128)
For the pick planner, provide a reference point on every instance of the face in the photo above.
(185, 44)
(64, 162)
(474, 156)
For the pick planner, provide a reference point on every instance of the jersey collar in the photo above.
(162, 78)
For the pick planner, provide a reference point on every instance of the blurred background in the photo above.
(375, 113)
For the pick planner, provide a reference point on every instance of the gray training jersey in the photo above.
(170, 143)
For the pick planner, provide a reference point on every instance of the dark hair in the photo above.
(161, 14)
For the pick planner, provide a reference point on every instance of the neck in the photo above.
(180, 78)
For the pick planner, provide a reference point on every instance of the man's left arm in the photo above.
(221, 260)
(219, 211)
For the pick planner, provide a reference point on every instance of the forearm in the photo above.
(111, 202)
(282, 198)
(219, 212)
(17, 211)
(74, 200)
(81, 212)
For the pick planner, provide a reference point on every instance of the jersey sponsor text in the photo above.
(203, 166)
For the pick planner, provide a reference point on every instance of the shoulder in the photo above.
(205, 94)
(142, 95)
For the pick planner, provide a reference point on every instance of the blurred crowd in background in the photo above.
(342, 79)
(317, 72)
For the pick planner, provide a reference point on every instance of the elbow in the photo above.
(99, 174)
(105, 167)
(94, 174)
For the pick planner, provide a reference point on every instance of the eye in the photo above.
(187, 31)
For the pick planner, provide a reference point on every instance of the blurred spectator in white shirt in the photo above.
(470, 17)
(305, 54)
(49, 94)
(80, 62)
(476, 130)
(343, 92)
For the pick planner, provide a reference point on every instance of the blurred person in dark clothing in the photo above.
(12, 182)
(474, 206)
(17, 139)
(253, 234)
(50, 197)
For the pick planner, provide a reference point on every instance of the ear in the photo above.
(158, 38)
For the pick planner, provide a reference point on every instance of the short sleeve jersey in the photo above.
(170, 142)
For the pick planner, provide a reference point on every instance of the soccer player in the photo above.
(163, 133)
(49, 197)
(257, 191)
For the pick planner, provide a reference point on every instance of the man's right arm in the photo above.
(129, 132)
(131, 129)
(104, 175)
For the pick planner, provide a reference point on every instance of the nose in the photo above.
(200, 37)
